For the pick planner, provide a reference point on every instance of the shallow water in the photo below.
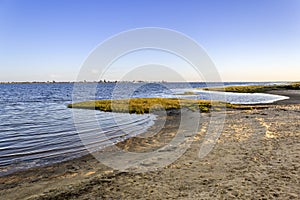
(37, 128)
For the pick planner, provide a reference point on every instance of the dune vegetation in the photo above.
(256, 88)
(147, 105)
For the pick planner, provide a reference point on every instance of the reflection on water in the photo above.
(238, 98)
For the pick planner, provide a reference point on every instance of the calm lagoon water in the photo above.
(37, 128)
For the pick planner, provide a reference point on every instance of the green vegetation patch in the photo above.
(146, 105)
(188, 93)
(256, 89)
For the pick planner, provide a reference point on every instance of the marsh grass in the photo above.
(188, 93)
(256, 89)
(147, 105)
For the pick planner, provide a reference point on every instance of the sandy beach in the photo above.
(257, 156)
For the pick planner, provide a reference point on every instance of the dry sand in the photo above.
(257, 156)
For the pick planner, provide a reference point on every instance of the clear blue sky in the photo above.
(249, 40)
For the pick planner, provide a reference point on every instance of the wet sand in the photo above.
(257, 156)
(293, 94)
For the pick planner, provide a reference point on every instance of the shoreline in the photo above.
(294, 96)
(269, 150)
